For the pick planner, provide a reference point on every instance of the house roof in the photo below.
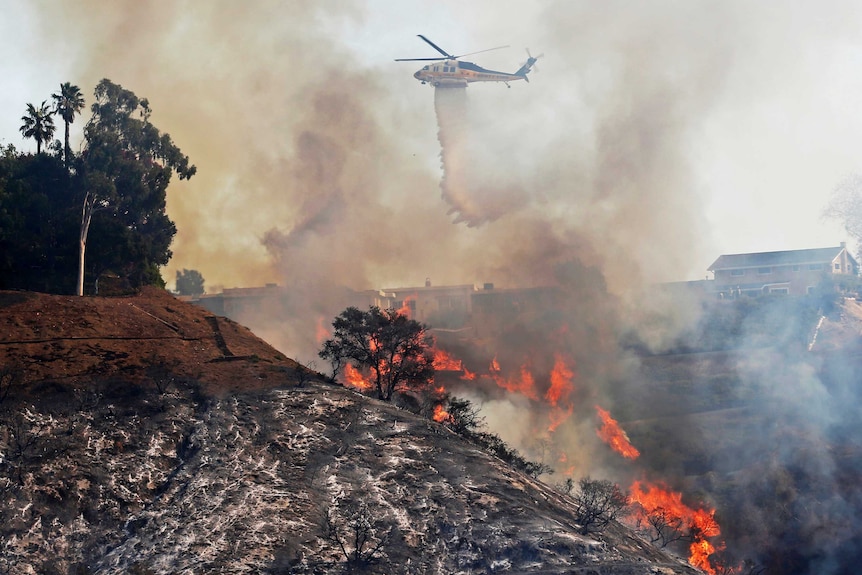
(788, 257)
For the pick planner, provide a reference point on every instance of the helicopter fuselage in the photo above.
(457, 74)
(450, 72)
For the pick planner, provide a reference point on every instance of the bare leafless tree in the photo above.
(664, 528)
(304, 374)
(598, 503)
(358, 534)
(161, 373)
(23, 440)
(10, 379)
(566, 487)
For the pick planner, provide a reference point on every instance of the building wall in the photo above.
(450, 305)
(794, 279)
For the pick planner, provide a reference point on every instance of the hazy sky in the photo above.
(747, 111)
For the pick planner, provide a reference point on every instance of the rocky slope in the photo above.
(143, 435)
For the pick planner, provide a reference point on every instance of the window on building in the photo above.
(780, 291)
(838, 267)
(815, 266)
(737, 272)
(809, 290)
(796, 268)
(764, 271)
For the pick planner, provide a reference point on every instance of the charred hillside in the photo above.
(141, 434)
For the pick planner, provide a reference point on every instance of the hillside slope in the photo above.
(142, 435)
(75, 339)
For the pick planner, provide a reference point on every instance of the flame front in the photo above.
(700, 523)
(611, 433)
(443, 361)
(440, 414)
(355, 378)
(698, 526)
(405, 307)
(559, 392)
(523, 383)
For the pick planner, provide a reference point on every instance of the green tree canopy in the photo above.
(395, 349)
(120, 179)
(190, 282)
(68, 103)
(38, 124)
(125, 171)
(38, 215)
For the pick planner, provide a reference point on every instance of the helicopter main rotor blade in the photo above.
(480, 51)
(436, 47)
(419, 59)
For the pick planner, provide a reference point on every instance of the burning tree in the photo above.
(396, 349)
(672, 520)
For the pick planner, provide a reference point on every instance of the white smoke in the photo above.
(481, 180)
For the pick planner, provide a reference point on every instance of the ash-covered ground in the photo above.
(147, 436)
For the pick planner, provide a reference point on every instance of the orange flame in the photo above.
(612, 434)
(701, 522)
(356, 379)
(523, 383)
(559, 392)
(561, 381)
(443, 361)
(405, 307)
(440, 414)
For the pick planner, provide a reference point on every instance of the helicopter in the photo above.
(450, 72)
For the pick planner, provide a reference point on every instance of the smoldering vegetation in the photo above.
(763, 427)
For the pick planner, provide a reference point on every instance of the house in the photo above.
(794, 272)
(442, 306)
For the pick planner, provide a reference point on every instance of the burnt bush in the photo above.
(11, 378)
(464, 419)
(121, 391)
(359, 534)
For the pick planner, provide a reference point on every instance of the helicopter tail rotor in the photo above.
(527, 66)
(531, 60)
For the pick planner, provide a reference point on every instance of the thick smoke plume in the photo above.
(318, 171)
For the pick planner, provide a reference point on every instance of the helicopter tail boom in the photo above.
(525, 69)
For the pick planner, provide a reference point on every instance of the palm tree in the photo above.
(68, 103)
(38, 124)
